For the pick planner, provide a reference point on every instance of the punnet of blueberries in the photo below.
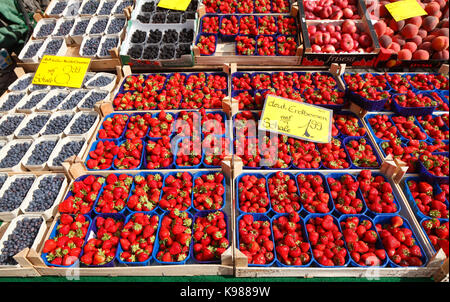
(10, 124)
(122, 6)
(57, 124)
(91, 46)
(93, 99)
(65, 27)
(23, 83)
(74, 99)
(14, 155)
(107, 45)
(106, 8)
(23, 236)
(80, 27)
(53, 47)
(90, 7)
(101, 81)
(116, 25)
(14, 195)
(46, 29)
(83, 123)
(11, 101)
(34, 125)
(34, 87)
(54, 101)
(41, 152)
(44, 196)
(34, 100)
(69, 149)
(58, 8)
(33, 49)
(99, 26)
(3, 178)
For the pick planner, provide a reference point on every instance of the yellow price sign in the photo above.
(405, 9)
(61, 71)
(174, 4)
(300, 120)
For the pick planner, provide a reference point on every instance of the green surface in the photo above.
(208, 279)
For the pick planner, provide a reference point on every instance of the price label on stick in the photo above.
(174, 4)
(299, 120)
(61, 71)
(405, 9)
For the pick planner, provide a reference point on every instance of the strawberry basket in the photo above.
(407, 111)
(238, 192)
(377, 158)
(423, 171)
(146, 155)
(102, 128)
(130, 205)
(113, 195)
(200, 191)
(93, 148)
(435, 245)
(305, 194)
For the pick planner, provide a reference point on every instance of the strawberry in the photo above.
(159, 153)
(420, 81)
(333, 155)
(253, 240)
(266, 45)
(412, 99)
(408, 127)
(253, 196)
(344, 192)
(210, 24)
(436, 164)
(207, 44)
(434, 126)
(161, 125)
(348, 124)
(102, 157)
(229, 26)
(427, 200)
(215, 150)
(313, 196)
(189, 152)
(129, 154)
(246, 46)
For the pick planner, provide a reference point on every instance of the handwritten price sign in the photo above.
(174, 4)
(61, 71)
(405, 9)
(300, 120)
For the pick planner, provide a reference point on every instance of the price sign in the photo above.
(174, 4)
(300, 120)
(405, 9)
(61, 71)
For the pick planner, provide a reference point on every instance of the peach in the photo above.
(389, 31)
(429, 38)
(395, 47)
(396, 26)
(441, 3)
(440, 55)
(420, 55)
(417, 21)
(404, 54)
(411, 46)
(385, 41)
(439, 43)
(432, 8)
(380, 28)
(422, 33)
(409, 31)
(426, 46)
(416, 39)
(383, 11)
(398, 39)
(443, 32)
(430, 23)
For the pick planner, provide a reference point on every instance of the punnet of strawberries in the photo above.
(437, 232)
(101, 248)
(361, 153)
(102, 157)
(115, 194)
(412, 99)
(210, 236)
(252, 194)
(113, 127)
(175, 236)
(158, 153)
(177, 191)
(146, 193)
(383, 128)
(291, 245)
(255, 239)
(283, 193)
(377, 192)
(349, 125)
(65, 247)
(420, 81)
(398, 82)
(207, 44)
(209, 191)
(304, 154)
(137, 238)
(436, 164)
(129, 154)
(362, 239)
(344, 191)
(435, 126)
(399, 242)
(440, 81)
(313, 195)
(408, 128)
(428, 202)
(215, 150)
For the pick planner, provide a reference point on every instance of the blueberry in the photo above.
(148, 7)
(90, 7)
(34, 125)
(135, 51)
(91, 46)
(10, 124)
(138, 36)
(3, 178)
(99, 26)
(53, 47)
(100, 81)
(123, 5)
(54, 101)
(23, 236)
(87, 77)
(11, 101)
(58, 8)
(34, 100)
(23, 83)
(80, 27)
(159, 18)
(57, 124)
(44, 196)
(154, 36)
(46, 29)
(34, 87)
(151, 52)
(69, 149)
(83, 123)
(186, 36)
(170, 36)
(167, 52)
(32, 49)
(14, 155)
(106, 8)
(74, 99)
(94, 98)
(41, 153)
(107, 45)
(65, 27)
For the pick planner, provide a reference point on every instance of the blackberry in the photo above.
(183, 49)
(173, 18)
(91, 46)
(107, 45)
(22, 237)
(135, 51)
(14, 155)
(148, 7)
(154, 36)
(44, 196)
(167, 52)
(57, 124)
(143, 18)
(41, 153)
(151, 52)
(35, 125)
(69, 149)
(11, 101)
(8, 126)
(159, 18)
(99, 26)
(162, 9)
(83, 123)
(32, 49)
(186, 36)
(138, 36)
(192, 6)
(80, 27)
(53, 47)
(170, 36)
